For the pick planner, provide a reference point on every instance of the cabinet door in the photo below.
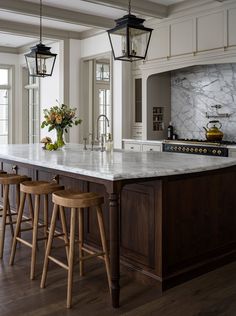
(210, 31)
(137, 224)
(232, 27)
(182, 37)
(159, 44)
(152, 147)
(132, 146)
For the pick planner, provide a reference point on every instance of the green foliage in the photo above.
(60, 117)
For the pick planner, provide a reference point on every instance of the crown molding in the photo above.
(57, 14)
(137, 6)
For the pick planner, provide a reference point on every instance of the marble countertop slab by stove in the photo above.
(116, 165)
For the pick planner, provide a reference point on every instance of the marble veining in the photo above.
(116, 165)
(194, 90)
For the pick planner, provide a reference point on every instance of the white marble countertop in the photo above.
(152, 142)
(114, 165)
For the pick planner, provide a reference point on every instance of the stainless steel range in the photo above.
(197, 147)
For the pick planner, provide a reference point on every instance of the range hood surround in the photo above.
(194, 90)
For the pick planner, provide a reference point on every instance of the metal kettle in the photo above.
(213, 133)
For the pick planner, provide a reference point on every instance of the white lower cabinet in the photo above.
(133, 146)
(146, 147)
(142, 146)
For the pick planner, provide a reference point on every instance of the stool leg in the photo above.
(10, 217)
(35, 234)
(17, 197)
(104, 243)
(64, 230)
(45, 218)
(17, 230)
(49, 245)
(81, 240)
(71, 257)
(31, 209)
(4, 217)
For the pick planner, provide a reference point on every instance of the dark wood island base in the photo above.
(167, 229)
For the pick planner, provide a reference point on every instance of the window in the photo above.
(102, 71)
(33, 110)
(4, 104)
(102, 98)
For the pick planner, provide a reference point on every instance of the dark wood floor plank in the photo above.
(212, 294)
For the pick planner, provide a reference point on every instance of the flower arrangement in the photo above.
(60, 118)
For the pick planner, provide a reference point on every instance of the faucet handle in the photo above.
(85, 143)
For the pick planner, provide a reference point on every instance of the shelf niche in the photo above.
(158, 105)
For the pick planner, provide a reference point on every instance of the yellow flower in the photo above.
(58, 119)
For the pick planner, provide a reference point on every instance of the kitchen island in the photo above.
(168, 216)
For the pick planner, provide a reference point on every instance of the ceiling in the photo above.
(70, 18)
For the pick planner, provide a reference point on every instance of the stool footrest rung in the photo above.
(91, 256)
(24, 242)
(93, 252)
(26, 229)
(12, 214)
(61, 246)
(58, 262)
(42, 238)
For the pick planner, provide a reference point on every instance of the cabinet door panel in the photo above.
(232, 27)
(137, 224)
(210, 31)
(182, 37)
(159, 44)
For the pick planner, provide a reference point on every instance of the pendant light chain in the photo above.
(129, 7)
(40, 30)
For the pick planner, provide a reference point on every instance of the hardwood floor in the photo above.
(213, 294)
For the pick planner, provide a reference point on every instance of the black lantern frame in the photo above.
(40, 61)
(129, 27)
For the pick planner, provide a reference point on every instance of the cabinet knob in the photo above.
(55, 179)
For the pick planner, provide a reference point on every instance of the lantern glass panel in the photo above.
(119, 42)
(31, 64)
(138, 42)
(45, 64)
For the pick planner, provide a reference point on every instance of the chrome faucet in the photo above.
(107, 120)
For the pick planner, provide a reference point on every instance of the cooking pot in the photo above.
(213, 133)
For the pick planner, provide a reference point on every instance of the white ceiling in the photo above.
(14, 15)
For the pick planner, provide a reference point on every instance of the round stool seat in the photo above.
(70, 198)
(40, 187)
(8, 178)
(2, 172)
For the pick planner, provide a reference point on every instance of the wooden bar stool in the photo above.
(76, 202)
(6, 180)
(36, 188)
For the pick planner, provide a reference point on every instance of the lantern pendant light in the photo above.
(40, 61)
(129, 38)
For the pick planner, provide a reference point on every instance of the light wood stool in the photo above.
(6, 180)
(76, 202)
(36, 188)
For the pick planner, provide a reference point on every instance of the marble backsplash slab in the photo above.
(194, 90)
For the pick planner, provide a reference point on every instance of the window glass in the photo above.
(3, 76)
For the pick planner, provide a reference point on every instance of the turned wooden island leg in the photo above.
(114, 248)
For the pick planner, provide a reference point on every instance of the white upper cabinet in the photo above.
(182, 37)
(159, 44)
(210, 31)
(232, 27)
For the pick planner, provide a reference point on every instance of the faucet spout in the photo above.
(107, 120)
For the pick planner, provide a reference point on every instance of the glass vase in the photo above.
(60, 137)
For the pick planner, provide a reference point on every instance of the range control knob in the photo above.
(219, 152)
(175, 148)
(200, 150)
(192, 150)
(179, 148)
(183, 149)
(204, 151)
(171, 147)
(196, 150)
(187, 150)
(214, 151)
